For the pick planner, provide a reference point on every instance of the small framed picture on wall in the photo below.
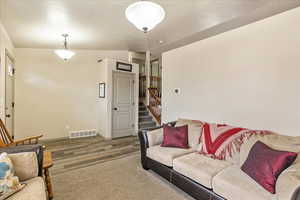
(124, 67)
(101, 90)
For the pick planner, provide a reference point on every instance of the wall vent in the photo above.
(82, 133)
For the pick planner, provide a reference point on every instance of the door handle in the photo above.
(115, 108)
(7, 116)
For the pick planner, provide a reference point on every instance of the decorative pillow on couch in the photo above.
(175, 136)
(9, 184)
(265, 164)
(195, 130)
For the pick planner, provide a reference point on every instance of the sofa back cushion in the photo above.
(25, 165)
(155, 137)
(219, 140)
(194, 130)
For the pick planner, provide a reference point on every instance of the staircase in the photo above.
(145, 119)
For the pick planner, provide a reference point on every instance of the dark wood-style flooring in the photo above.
(69, 154)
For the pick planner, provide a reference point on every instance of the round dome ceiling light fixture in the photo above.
(145, 15)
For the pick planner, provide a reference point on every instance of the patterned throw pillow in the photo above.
(9, 184)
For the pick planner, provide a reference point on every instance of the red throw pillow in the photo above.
(265, 164)
(175, 136)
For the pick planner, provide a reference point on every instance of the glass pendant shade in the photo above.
(64, 54)
(145, 15)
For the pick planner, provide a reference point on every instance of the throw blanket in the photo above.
(220, 140)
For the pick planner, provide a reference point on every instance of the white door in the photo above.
(123, 105)
(9, 94)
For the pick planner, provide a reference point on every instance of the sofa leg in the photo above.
(145, 167)
(144, 164)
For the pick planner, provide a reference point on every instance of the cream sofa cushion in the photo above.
(275, 141)
(288, 183)
(155, 137)
(25, 165)
(199, 168)
(34, 190)
(233, 184)
(194, 130)
(166, 155)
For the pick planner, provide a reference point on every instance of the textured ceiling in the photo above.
(101, 24)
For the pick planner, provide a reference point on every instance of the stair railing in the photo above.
(155, 104)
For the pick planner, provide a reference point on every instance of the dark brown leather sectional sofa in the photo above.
(192, 188)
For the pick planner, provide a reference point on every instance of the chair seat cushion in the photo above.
(233, 184)
(166, 155)
(199, 168)
(34, 190)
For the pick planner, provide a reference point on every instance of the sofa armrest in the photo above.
(145, 143)
(288, 183)
(38, 149)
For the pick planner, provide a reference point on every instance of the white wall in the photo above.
(249, 77)
(5, 44)
(104, 114)
(54, 97)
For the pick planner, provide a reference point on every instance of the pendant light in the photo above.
(145, 15)
(65, 54)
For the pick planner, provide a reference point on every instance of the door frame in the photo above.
(8, 55)
(133, 75)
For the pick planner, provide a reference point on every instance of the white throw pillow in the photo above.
(9, 183)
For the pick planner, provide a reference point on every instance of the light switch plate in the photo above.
(177, 90)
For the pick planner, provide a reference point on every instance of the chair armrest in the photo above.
(288, 183)
(28, 140)
(38, 149)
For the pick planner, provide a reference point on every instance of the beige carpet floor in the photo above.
(119, 179)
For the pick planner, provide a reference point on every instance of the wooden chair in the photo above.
(6, 139)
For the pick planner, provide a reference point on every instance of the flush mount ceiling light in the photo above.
(145, 15)
(65, 54)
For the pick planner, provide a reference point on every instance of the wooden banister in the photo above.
(153, 92)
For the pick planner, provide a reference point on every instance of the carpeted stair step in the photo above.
(143, 113)
(145, 118)
(150, 122)
(147, 125)
(142, 108)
